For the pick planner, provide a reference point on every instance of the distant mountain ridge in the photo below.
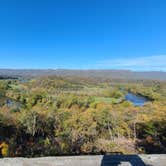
(103, 74)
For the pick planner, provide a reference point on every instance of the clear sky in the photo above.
(83, 34)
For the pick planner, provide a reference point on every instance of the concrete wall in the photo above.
(108, 160)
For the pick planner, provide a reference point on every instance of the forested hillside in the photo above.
(100, 74)
(53, 115)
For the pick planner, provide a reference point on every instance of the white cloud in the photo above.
(155, 62)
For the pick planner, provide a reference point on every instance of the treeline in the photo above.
(59, 116)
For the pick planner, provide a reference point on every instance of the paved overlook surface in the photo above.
(107, 160)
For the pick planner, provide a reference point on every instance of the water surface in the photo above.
(137, 100)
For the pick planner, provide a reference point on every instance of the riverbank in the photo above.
(99, 160)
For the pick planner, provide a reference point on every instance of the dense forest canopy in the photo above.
(60, 115)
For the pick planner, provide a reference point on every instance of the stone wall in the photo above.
(107, 160)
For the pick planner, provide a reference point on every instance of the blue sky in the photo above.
(83, 34)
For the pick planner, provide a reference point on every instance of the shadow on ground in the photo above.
(122, 160)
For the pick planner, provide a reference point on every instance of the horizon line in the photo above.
(82, 69)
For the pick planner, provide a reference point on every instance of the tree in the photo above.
(29, 121)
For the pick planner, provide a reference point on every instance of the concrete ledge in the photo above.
(99, 160)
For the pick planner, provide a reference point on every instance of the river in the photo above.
(137, 100)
